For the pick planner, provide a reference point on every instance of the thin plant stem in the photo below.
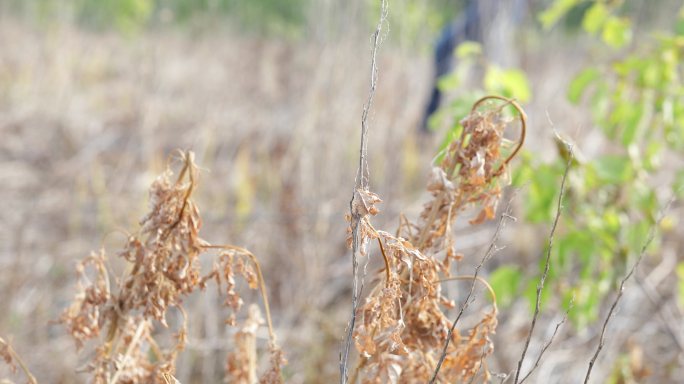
(15, 355)
(649, 239)
(355, 217)
(540, 287)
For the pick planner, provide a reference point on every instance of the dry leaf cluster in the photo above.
(402, 328)
(163, 266)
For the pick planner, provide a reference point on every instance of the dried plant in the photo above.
(162, 267)
(9, 355)
(241, 365)
(402, 329)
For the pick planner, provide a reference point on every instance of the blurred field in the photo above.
(87, 119)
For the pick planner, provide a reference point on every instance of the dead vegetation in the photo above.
(162, 268)
(403, 330)
(295, 256)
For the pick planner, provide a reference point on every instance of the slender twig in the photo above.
(14, 354)
(490, 251)
(555, 331)
(649, 239)
(361, 183)
(663, 309)
(540, 287)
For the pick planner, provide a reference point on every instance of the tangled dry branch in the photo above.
(163, 266)
(403, 335)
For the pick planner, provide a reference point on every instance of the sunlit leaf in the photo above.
(449, 82)
(555, 12)
(613, 169)
(512, 82)
(468, 48)
(680, 284)
(617, 32)
(580, 82)
(505, 281)
(595, 17)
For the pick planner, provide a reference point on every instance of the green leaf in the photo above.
(631, 123)
(594, 18)
(616, 32)
(653, 156)
(637, 236)
(680, 284)
(511, 82)
(448, 82)
(579, 242)
(680, 22)
(505, 281)
(600, 105)
(678, 184)
(642, 197)
(468, 48)
(613, 169)
(515, 82)
(555, 12)
(580, 82)
(539, 203)
(585, 309)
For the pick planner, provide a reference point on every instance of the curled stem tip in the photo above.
(523, 121)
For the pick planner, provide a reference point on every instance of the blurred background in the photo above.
(268, 93)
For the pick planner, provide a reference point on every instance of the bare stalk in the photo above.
(490, 251)
(541, 353)
(649, 239)
(540, 287)
(361, 183)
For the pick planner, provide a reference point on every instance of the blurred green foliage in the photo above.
(282, 17)
(609, 205)
(415, 23)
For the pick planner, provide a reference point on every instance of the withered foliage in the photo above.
(402, 328)
(6, 355)
(162, 267)
(11, 358)
(241, 365)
